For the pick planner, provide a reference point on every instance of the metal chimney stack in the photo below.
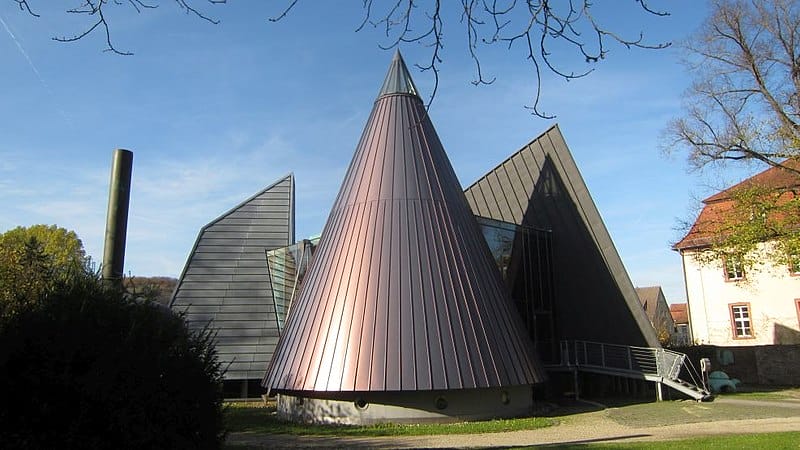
(117, 216)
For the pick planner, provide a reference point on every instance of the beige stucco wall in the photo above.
(770, 290)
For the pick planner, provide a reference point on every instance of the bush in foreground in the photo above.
(86, 367)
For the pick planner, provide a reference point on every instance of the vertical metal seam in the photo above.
(442, 258)
(431, 250)
(473, 329)
(339, 297)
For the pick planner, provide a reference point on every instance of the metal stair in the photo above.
(652, 364)
(698, 393)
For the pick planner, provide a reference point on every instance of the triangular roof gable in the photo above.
(540, 185)
(649, 298)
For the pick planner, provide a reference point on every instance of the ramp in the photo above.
(658, 365)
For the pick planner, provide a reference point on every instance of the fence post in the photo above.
(602, 355)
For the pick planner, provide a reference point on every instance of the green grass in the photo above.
(257, 418)
(783, 394)
(678, 412)
(772, 441)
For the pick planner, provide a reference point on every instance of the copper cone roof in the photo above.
(402, 293)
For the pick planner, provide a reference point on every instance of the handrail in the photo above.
(647, 360)
(636, 361)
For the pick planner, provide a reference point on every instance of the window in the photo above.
(794, 265)
(734, 269)
(797, 304)
(740, 321)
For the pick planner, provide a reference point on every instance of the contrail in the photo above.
(24, 53)
(35, 70)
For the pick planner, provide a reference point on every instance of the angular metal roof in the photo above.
(398, 80)
(226, 280)
(402, 293)
(541, 186)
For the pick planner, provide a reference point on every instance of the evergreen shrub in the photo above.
(87, 367)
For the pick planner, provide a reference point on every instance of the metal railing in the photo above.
(624, 358)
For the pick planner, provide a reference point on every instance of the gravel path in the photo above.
(597, 426)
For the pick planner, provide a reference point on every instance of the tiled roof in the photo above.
(775, 177)
(709, 221)
(680, 312)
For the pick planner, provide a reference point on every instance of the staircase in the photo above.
(652, 364)
(696, 392)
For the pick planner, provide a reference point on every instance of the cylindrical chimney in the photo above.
(117, 216)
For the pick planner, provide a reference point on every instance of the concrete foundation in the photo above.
(366, 408)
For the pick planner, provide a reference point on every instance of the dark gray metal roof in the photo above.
(398, 80)
(540, 186)
(226, 279)
(402, 293)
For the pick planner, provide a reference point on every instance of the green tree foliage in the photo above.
(33, 260)
(157, 289)
(759, 224)
(87, 367)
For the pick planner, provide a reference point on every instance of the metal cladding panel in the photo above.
(402, 294)
(226, 284)
(593, 290)
(398, 80)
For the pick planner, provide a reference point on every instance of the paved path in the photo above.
(575, 429)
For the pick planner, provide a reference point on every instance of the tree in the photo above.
(539, 26)
(86, 366)
(744, 106)
(33, 260)
(744, 103)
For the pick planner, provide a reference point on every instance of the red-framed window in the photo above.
(797, 306)
(741, 320)
(794, 266)
(733, 269)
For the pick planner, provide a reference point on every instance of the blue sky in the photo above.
(214, 113)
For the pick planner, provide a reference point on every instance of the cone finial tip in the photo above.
(398, 80)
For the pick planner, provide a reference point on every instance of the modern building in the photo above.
(728, 304)
(420, 300)
(540, 187)
(402, 315)
(226, 282)
(655, 306)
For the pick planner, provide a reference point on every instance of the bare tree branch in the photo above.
(95, 10)
(23, 6)
(535, 23)
(538, 25)
(744, 102)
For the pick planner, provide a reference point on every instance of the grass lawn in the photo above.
(772, 441)
(255, 417)
(678, 412)
(755, 394)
